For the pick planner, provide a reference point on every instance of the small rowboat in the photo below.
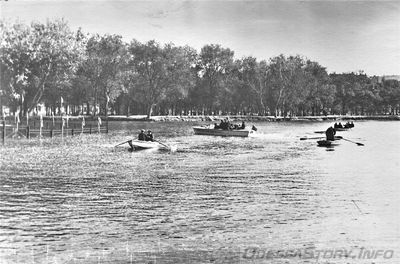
(326, 143)
(336, 129)
(208, 131)
(140, 145)
(342, 128)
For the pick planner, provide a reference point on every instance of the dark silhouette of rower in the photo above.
(142, 135)
(330, 134)
(149, 136)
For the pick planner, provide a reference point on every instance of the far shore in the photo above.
(253, 118)
(217, 118)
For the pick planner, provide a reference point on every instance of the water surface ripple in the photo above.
(82, 200)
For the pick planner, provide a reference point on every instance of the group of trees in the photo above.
(44, 62)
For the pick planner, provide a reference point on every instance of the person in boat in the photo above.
(225, 125)
(229, 125)
(149, 136)
(243, 126)
(330, 134)
(220, 126)
(340, 125)
(335, 125)
(142, 135)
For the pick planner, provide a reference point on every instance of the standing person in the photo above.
(330, 134)
(149, 136)
(142, 135)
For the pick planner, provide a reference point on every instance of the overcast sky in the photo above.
(343, 36)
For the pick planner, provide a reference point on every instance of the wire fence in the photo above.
(51, 127)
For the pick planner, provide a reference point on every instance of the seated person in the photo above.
(330, 134)
(224, 125)
(142, 135)
(221, 125)
(149, 136)
(228, 124)
(243, 125)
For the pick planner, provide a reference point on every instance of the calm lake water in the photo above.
(213, 200)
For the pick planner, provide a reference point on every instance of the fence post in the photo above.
(28, 136)
(3, 135)
(51, 133)
(72, 132)
(90, 129)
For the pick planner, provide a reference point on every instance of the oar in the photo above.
(122, 143)
(305, 138)
(162, 144)
(359, 144)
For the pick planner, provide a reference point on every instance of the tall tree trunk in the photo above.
(150, 110)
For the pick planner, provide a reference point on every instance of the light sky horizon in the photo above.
(344, 36)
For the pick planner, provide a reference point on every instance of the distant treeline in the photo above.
(44, 62)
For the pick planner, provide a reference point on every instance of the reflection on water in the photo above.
(85, 201)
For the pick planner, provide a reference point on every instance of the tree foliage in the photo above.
(96, 74)
(39, 58)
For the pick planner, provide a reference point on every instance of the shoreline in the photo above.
(217, 118)
(252, 118)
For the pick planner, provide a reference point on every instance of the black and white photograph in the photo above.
(199, 131)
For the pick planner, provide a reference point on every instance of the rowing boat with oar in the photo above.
(209, 131)
(141, 145)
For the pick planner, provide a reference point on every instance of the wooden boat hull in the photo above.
(342, 128)
(220, 132)
(336, 129)
(141, 145)
(326, 143)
